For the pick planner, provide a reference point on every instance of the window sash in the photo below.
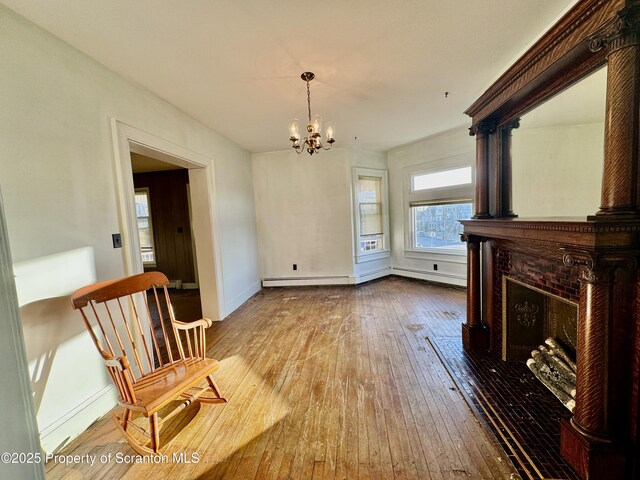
(441, 229)
(370, 219)
(442, 179)
(370, 206)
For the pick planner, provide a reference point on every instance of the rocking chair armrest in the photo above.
(203, 322)
(120, 370)
(115, 363)
(119, 363)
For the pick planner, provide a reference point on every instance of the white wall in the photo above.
(57, 176)
(557, 170)
(453, 144)
(304, 215)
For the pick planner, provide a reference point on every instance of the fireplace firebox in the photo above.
(530, 315)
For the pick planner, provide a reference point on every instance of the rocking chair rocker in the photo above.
(163, 370)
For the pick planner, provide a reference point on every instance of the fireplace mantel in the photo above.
(592, 260)
(564, 231)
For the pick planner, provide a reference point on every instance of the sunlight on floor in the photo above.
(263, 416)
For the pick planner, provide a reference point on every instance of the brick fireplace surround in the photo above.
(591, 261)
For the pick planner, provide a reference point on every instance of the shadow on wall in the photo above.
(65, 371)
(46, 327)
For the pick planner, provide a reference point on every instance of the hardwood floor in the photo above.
(322, 383)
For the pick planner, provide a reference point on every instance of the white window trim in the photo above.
(153, 240)
(441, 194)
(361, 257)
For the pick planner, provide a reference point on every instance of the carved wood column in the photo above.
(474, 333)
(482, 130)
(505, 200)
(591, 442)
(621, 38)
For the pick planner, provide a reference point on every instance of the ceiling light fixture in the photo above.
(313, 141)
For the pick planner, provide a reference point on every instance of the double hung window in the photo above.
(438, 199)
(371, 212)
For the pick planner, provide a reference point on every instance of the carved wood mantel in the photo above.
(602, 439)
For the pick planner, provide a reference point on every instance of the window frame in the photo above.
(385, 251)
(145, 190)
(435, 196)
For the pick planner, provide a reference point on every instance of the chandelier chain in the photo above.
(309, 101)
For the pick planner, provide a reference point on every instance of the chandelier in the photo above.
(313, 141)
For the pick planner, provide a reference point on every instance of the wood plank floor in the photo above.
(322, 383)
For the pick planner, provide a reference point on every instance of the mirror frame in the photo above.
(594, 33)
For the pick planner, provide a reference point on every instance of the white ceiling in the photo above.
(382, 66)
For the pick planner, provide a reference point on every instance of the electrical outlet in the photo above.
(435, 267)
(116, 238)
(295, 266)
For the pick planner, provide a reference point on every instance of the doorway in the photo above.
(164, 220)
(197, 170)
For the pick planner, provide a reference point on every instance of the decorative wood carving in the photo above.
(482, 131)
(557, 55)
(602, 440)
(621, 39)
(593, 416)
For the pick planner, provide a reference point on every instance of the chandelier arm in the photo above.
(300, 148)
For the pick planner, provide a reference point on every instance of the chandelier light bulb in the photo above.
(316, 124)
(330, 131)
(294, 130)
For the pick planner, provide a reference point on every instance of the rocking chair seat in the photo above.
(156, 389)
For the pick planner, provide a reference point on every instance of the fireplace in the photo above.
(591, 261)
(579, 267)
(530, 315)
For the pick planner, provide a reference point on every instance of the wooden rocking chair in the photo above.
(163, 370)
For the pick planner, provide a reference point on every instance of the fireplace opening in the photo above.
(541, 328)
(530, 316)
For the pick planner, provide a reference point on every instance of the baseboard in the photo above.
(373, 275)
(59, 433)
(432, 276)
(307, 281)
(445, 278)
(238, 300)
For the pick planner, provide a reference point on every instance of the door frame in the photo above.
(202, 195)
(20, 433)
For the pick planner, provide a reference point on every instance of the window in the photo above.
(437, 225)
(446, 178)
(371, 213)
(370, 209)
(145, 227)
(437, 200)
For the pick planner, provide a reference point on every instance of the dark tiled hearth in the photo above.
(523, 415)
